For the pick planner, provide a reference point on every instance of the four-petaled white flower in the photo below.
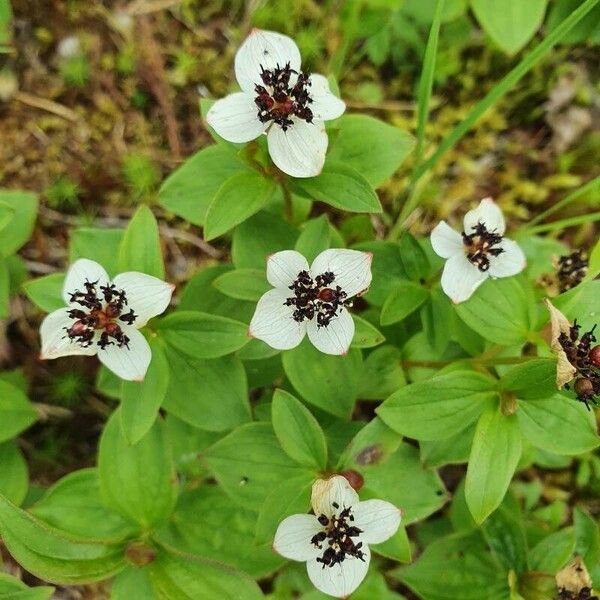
(279, 99)
(103, 317)
(479, 252)
(311, 299)
(334, 540)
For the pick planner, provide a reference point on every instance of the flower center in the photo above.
(315, 297)
(479, 246)
(336, 538)
(581, 355)
(278, 101)
(571, 270)
(102, 307)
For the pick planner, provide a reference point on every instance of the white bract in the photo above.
(278, 99)
(311, 299)
(334, 541)
(478, 252)
(103, 317)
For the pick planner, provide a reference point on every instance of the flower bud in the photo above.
(595, 356)
(355, 479)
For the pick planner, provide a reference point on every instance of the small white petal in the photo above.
(300, 150)
(507, 263)
(79, 273)
(283, 268)
(266, 49)
(148, 296)
(378, 519)
(55, 342)
(325, 106)
(487, 213)
(130, 363)
(327, 492)
(273, 322)
(352, 268)
(341, 579)
(293, 536)
(461, 278)
(334, 338)
(446, 242)
(235, 118)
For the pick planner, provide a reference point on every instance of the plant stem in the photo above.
(574, 195)
(287, 202)
(478, 360)
(570, 222)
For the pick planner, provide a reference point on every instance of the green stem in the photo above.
(495, 94)
(570, 222)
(478, 360)
(288, 207)
(574, 195)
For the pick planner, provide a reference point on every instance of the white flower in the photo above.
(311, 299)
(479, 252)
(280, 99)
(103, 317)
(334, 541)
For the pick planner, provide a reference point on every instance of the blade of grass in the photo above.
(426, 82)
(570, 222)
(574, 195)
(497, 92)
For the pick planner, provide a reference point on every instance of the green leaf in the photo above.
(587, 535)
(137, 481)
(532, 380)
(559, 424)
(512, 23)
(403, 481)
(500, 311)
(414, 260)
(204, 537)
(208, 394)
(383, 373)
(290, 497)
(381, 151)
(101, 245)
(46, 292)
(452, 450)
(133, 582)
(190, 578)
(53, 555)
(437, 318)
(74, 505)
(190, 189)
(16, 412)
(23, 207)
(6, 214)
(469, 572)
(12, 588)
(14, 479)
(329, 382)
(552, 553)
(583, 31)
(200, 335)
(494, 456)
(314, 238)
(4, 289)
(365, 334)
(298, 432)
(438, 407)
(141, 400)
(243, 284)
(140, 247)
(249, 462)
(404, 299)
(259, 236)
(504, 533)
(342, 187)
(240, 196)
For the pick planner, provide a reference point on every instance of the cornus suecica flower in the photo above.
(278, 99)
(311, 300)
(334, 540)
(103, 316)
(478, 252)
(578, 358)
(571, 269)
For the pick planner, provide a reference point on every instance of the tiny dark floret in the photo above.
(101, 309)
(571, 270)
(480, 245)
